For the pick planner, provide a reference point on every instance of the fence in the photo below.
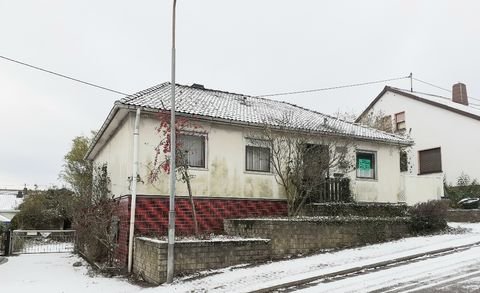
(42, 241)
(332, 190)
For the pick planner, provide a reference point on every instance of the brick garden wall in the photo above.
(150, 257)
(309, 235)
(151, 216)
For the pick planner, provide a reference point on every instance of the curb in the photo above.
(365, 267)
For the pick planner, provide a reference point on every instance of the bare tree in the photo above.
(161, 162)
(378, 120)
(94, 219)
(302, 162)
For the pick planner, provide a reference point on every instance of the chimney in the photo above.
(198, 86)
(459, 93)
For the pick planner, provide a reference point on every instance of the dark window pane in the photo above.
(430, 161)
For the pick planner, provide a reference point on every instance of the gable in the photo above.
(432, 100)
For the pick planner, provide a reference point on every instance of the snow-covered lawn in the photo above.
(54, 272)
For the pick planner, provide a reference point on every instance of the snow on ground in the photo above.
(434, 274)
(54, 272)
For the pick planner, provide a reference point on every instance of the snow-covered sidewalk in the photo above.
(54, 272)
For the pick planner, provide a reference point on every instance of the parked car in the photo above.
(469, 203)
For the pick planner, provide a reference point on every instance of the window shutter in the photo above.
(430, 161)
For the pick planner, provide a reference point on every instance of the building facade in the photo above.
(444, 130)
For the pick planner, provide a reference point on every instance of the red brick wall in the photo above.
(151, 216)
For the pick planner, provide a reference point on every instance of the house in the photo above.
(10, 200)
(445, 130)
(231, 178)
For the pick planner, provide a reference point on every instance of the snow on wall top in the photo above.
(195, 100)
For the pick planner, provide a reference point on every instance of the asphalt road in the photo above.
(456, 272)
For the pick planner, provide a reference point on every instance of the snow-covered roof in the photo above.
(222, 106)
(4, 219)
(435, 100)
(9, 200)
(195, 100)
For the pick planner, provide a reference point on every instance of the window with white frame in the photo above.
(257, 158)
(193, 149)
(366, 164)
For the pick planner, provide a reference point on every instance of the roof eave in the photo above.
(94, 144)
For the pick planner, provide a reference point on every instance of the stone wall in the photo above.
(461, 215)
(308, 235)
(150, 256)
(335, 209)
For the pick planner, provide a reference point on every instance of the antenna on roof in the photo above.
(411, 82)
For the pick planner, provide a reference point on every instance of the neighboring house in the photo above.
(231, 178)
(445, 130)
(10, 200)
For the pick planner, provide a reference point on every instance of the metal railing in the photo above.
(42, 241)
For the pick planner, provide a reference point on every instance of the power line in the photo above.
(333, 87)
(439, 87)
(64, 76)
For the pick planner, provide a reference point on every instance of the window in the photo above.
(430, 161)
(400, 121)
(193, 148)
(403, 161)
(366, 165)
(257, 158)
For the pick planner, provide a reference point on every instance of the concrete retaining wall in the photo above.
(308, 235)
(461, 215)
(150, 256)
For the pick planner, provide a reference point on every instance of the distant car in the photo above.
(469, 203)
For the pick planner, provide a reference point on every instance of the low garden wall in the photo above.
(355, 209)
(150, 256)
(291, 237)
(461, 215)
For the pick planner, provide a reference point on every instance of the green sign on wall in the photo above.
(364, 164)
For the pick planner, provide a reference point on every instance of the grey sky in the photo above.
(251, 47)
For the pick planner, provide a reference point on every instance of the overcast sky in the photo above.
(249, 46)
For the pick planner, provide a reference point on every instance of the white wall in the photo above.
(225, 174)
(421, 188)
(386, 186)
(118, 154)
(431, 127)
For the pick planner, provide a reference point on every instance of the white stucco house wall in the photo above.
(445, 130)
(227, 120)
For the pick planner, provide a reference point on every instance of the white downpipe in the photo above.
(134, 191)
